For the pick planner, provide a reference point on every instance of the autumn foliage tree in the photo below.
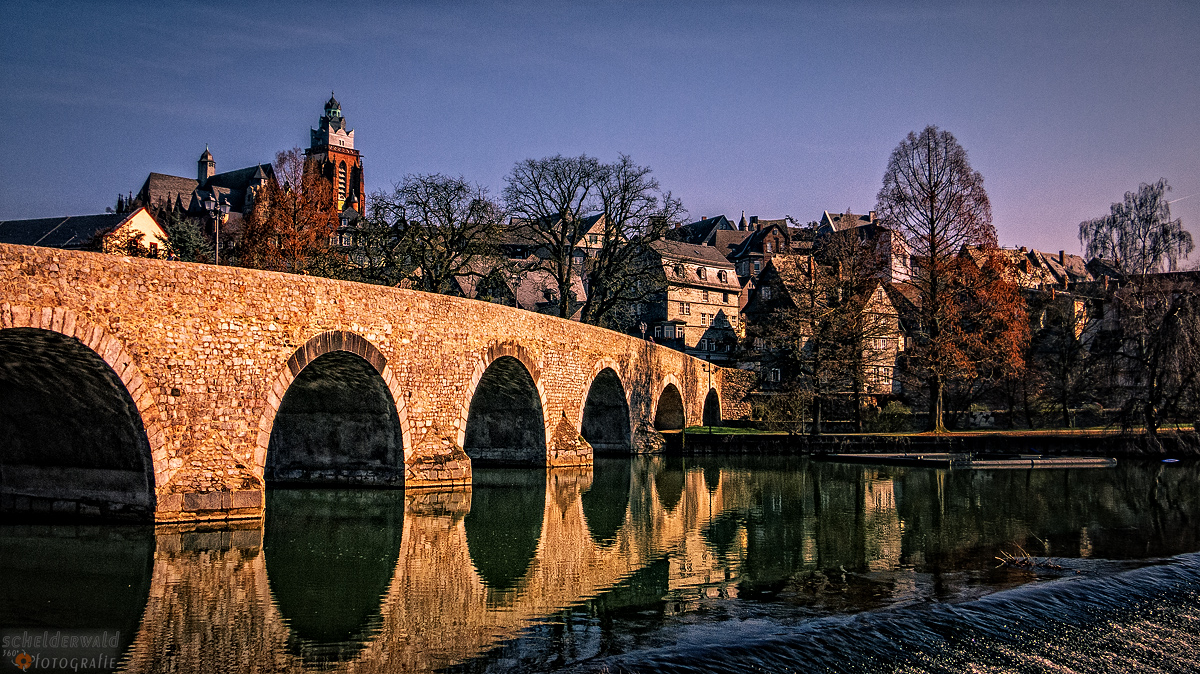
(290, 225)
(936, 201)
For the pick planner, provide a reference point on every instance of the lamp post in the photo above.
(218, 211)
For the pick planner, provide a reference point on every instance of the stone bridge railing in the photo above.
(137, 388)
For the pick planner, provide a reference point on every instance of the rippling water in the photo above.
(650, 564)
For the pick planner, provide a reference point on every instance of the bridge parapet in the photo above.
(231, 369)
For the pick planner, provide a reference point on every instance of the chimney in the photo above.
(1024, 249)
(873, 216)
(1062, 257)
(753, 219)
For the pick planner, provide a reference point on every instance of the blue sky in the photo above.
(769, 107)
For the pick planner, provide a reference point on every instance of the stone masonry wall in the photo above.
(207, 354)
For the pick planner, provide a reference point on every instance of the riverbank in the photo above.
(1111, 443)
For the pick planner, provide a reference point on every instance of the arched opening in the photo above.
(606, 414)
(504, 525)
(330, 555)
(337, 424)
(71, 438)
(606, 502)
(504, 422)
(712, 409)
(669, 415)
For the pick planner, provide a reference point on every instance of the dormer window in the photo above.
(723, 276)
(702, 273)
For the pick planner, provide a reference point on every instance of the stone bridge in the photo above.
(137, 388)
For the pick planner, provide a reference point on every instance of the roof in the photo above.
(754, 240)
(701, 230)
(679, 250)
(838, 222)
(161, 188)
(726, 241)
(70, 231)
(903, 296)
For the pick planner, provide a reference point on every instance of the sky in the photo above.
(772, 108)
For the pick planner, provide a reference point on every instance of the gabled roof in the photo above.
(726, 241)
(679, 250)
(71, 231)
(754, 241)
(161, 188)
(701, 231)
(839, 222)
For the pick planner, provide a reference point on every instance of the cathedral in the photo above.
(331, 150)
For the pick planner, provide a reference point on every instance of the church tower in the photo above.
(332, 147)
(206, 167)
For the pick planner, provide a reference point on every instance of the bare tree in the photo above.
(1138, 235)
(441, 228)
(798, 335)
(550, 199)
(1153, 349)
(636, 212)
(936, 201)
(864, 328)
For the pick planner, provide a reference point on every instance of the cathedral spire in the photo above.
(206, 167)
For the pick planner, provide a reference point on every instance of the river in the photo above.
(649, 564)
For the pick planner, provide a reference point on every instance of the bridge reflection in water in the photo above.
(384, 580)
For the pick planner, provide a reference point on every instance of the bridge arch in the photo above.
(328, 346)
(513, 360)
(605, 401)
(97, 378)
(712, 408)
(669, 412)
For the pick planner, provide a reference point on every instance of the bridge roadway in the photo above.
(146, 389)
(214, 608)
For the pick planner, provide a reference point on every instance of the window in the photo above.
(766, 293)
(593, 238)
(757, 266)
(770, 247)
(153, 249)
(704, 319)
(774, 374)
(668, 332)
(658, 331)
(703, 345)
(333, 239)
(725, 298)
(347, 239)
(702, 273)
(723, 276)
(685, 308)
(342, 180)
(704, 295)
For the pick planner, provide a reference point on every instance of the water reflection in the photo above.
(606, 503)
(330, 555)
(538, 569)
(505, 524)
(63, 577)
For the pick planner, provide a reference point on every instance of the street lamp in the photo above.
(218, 211)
